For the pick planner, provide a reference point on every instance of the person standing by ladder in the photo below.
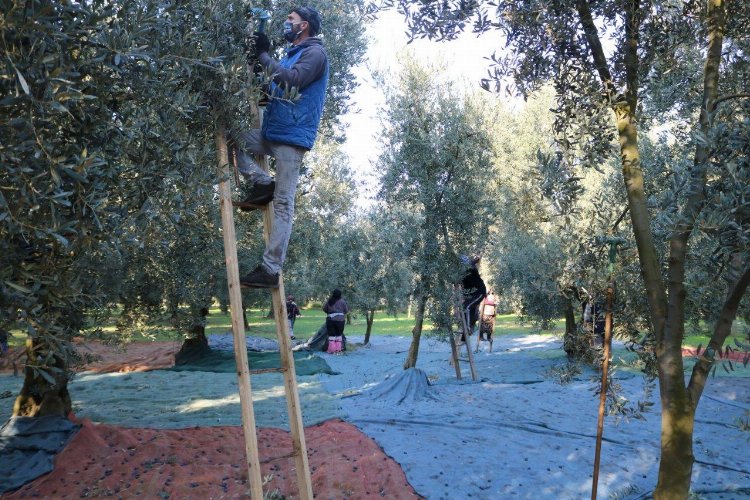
(289, 130)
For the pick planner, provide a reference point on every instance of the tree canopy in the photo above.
(107, 135)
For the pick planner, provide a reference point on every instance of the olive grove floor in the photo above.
(515, 432)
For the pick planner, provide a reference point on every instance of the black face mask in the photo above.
(289, 34)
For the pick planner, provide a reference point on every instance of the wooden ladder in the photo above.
(296, 427)
(463, 323)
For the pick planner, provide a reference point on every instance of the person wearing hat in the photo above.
(292, 311)
(289, 129)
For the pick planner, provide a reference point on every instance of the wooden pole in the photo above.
(464, 321)
(454, 356)
(481, 319)
(603, 395)
(294, 408)
(454, 348)
(238, 328)
(468, 347)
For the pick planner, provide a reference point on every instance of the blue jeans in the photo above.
(288, 162)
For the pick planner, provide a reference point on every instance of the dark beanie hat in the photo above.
(311, 16)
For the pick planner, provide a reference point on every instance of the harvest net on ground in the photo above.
(374, 427)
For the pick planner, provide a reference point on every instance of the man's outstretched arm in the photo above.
(308, 68)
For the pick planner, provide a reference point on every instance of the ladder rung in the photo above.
(267, 370)
(247, 206)
(288, 455)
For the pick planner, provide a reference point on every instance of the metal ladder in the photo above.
(287, 368)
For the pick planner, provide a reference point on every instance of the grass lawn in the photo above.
(306, 326)
(261, 326)
(312, 318)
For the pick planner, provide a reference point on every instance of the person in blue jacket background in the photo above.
(288, 132)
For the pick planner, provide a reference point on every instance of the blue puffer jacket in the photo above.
(296, 122)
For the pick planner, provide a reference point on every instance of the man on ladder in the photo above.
(474, 290)
(288, 131)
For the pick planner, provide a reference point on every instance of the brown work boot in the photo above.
(258, 196)
(259, 278)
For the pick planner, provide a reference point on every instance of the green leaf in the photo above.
(55, 176)
(59, 107)
(74, 175)
(46, 376)
(22, 81)
(60, 238)
(8, 100)
(18, 287)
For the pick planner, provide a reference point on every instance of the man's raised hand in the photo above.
(262, 43)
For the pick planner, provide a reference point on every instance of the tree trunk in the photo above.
(679, 404)
(667, 318)
(570, 317)
(416, 333)
(174, 308)
(625, 109)
(676, 461)
(722, 329)
(41, 396)
(370, 316)
(196, 339)
(678, 407)
(570, 328)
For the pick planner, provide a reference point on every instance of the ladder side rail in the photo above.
(481, 322)
(238, 328)
(467, 327)
(454, 347)
(294, 409)
(466, 321)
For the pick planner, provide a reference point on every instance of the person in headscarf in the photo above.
(336, 309)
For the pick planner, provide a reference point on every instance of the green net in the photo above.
(218, 361)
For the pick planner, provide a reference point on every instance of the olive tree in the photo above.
(369, 262)
(107, 132)
(435, 157)
(108, 107)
